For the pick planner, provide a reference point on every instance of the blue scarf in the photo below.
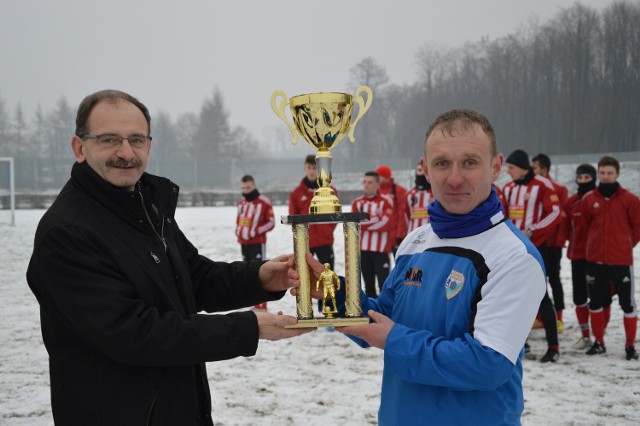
(448, 225)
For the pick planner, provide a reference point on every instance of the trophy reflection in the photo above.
(323, 119)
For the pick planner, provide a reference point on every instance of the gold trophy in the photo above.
(323, 119)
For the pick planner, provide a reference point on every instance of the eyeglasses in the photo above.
(108, 140)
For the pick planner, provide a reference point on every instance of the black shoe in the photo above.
(551, 356)
(527, 352)
(631, 353)
(596, 349)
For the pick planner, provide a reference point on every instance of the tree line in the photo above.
(568, 85)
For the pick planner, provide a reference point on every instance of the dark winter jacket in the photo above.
(119, 288)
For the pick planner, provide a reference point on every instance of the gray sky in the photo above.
(172, 54)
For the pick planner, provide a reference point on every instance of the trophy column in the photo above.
(352, 269)
(304, 307)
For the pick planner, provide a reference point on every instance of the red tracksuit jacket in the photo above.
(614, 226)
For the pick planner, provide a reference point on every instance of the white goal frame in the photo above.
(12, 188)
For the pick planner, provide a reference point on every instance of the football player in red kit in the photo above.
(376, 233)
(611, 215)
(576, 233)
(255, 218)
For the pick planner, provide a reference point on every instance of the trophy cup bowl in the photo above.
(322, 119)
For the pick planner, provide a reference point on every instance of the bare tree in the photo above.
(372, 134)
(576, 33)
(369, 73)
(434, 63)
(621, 68)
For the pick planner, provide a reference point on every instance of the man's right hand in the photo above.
(271, 327)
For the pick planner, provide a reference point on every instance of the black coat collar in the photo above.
(156, 190)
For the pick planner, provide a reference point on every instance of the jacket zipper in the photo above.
(153, 404)
(153, 228)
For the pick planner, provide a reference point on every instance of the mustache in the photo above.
(124, 163)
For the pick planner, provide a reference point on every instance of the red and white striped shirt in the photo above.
(376, 234)
(533, 206)
(255, 218)
(417, 202)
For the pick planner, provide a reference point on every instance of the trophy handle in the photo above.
(279, 110)
(363, 107)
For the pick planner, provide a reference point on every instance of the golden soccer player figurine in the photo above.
(330, 283)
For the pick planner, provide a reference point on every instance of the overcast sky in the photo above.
(172, 54)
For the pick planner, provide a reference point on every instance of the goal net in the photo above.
(7, 192)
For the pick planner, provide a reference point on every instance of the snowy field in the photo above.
(316, 379)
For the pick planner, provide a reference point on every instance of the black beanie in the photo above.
(519, 158)
(586, 169)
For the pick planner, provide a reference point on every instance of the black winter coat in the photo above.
(119, 288)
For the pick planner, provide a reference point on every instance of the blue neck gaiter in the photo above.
(448, 225)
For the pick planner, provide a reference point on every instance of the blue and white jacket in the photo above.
(462, 308)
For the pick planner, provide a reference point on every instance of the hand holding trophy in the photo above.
(323, 119)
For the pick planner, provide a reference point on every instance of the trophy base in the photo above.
(329, 322)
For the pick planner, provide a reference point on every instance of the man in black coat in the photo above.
(120, 286)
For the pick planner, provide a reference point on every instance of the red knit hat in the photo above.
(384, 171)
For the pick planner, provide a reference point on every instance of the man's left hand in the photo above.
(274, 273)
(375, 334)
(271, 327)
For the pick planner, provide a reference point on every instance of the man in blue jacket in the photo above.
(121, 288)
(455, 312)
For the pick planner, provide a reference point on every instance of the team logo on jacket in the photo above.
(454, 284)
(413, 277)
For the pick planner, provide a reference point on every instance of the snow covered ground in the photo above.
(316, 379)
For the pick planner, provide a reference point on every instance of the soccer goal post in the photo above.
(8, 188)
